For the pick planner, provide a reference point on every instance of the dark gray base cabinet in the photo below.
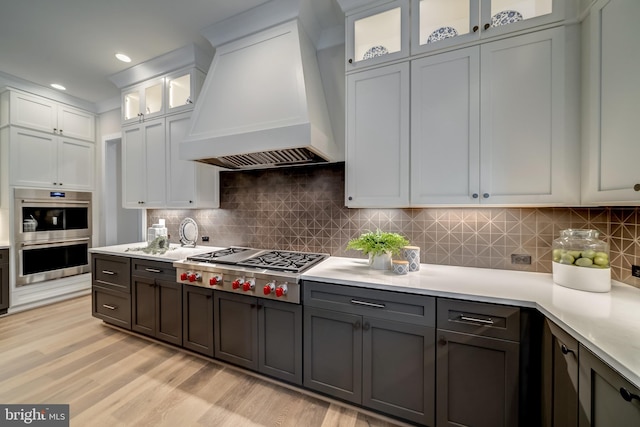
(560, 377)
(361, 353)
(477, 375)
(111, 289)
(606, 398)
(262, 335)
(157, 309)
(197, 319)
(156, 300)
(4, 281)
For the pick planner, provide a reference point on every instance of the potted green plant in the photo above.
(380, 246)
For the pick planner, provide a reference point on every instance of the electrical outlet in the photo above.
(635, 270)
(521, 259)
(205, 238)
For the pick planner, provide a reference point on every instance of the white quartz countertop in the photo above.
(133, 250)
(4, 245)
(606, 323)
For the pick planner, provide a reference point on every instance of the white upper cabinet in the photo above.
(189, 184)
(611, 93)
(39, 159)
(440, 24)
(144, 101)
(182, 89)
(377, 157)
(489, 125)
(377, 35)
(144, 173)
(35, 112)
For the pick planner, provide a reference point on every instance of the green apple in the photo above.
(589, 253)
(601, 261)
(584, 262)
(575, 254)
(567, 259)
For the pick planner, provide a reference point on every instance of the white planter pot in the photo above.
(380, 262)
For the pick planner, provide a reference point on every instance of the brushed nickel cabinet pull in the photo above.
(110, 307)
(476, 320)
(111, 273)
(153, 270)
(367, 304)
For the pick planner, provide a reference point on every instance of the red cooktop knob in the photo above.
(213, 281)
(248, 285)
(184, 276)
(268, 288)
(193, 277)
(235, 284)
(281, 290)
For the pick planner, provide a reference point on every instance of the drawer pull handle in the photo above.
(566, 350)
(153, 270)
(367, 304)
(110, 273)
(110, 307)
(476, 320)
(627, 395)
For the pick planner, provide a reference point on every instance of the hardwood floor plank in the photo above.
(60, 354)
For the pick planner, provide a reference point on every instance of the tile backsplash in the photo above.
(302, 209)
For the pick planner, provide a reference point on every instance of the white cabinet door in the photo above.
(445, 128)
(189, 184)
(156, 165)
(611, 175)
(377, 35)
(133, 167)
(377, 155)
(37, 113)
(76, 164)
(143, 165)
(74, 123)
(527, 157)
(33, 112)
(33, 158)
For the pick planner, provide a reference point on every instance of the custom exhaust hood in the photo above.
(262, 104)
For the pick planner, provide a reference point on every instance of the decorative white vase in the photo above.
(380, 262)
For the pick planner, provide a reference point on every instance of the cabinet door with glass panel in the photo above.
(377, 35)
(143, 101)
(182, 87)
(439, 24)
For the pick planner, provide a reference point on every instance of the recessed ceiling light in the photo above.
(57, 86)
(122, 57)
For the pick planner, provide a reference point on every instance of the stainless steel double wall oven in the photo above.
(52, 234)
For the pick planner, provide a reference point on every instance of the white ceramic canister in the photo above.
(412, 255)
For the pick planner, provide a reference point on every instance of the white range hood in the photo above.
(262, 104)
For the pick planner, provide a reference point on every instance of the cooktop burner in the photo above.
(294, 262)
(283, 260)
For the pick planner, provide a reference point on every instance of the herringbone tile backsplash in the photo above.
(302, 209)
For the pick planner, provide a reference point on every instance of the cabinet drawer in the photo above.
(4, 256)
(153, 269)
(417, 309)
(111, 272)
(112, 307)
(491, 320)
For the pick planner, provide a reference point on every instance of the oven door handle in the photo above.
(57, 242)
(57, 201)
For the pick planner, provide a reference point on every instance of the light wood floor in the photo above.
(61, 354)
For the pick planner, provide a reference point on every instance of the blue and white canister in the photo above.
(412, 255)
(400, 266)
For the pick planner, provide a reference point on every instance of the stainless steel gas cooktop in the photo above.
(258, 272)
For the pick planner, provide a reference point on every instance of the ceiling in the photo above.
(73, 42)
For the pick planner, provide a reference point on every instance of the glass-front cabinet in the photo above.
(143, 101)
(182, 89)
(438, 24)
(378, 35)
